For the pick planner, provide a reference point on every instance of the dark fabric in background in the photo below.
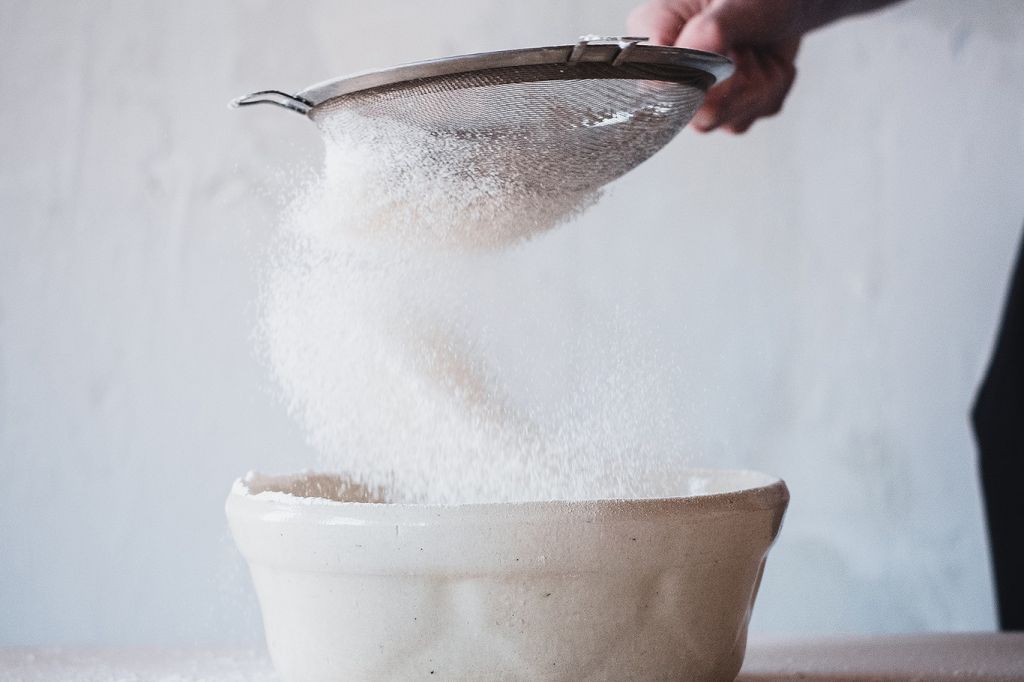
(999, 429)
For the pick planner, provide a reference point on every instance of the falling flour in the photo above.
(364, 326)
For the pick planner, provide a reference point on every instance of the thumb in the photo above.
(707, 32)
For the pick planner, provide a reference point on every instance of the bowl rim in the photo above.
(766, 492)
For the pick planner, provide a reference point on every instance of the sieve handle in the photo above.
(281, 99)
(624, 43)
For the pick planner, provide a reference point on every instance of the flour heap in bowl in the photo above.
(364, 327)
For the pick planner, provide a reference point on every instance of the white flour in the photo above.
(364, 330)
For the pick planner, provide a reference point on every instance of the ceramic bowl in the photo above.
(645, 589)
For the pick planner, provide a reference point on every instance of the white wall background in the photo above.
(830, 282)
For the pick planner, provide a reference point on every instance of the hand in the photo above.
(760, 37)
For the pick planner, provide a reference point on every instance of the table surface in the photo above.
(895, 658)
(931, 657)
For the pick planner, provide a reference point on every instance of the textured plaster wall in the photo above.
(829, 284)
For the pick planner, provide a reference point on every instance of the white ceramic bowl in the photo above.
(652, 589)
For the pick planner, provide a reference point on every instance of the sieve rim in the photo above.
(666, 63)
(685, 60)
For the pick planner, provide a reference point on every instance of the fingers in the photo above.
(657, 21)
(759, 38)
(758, 89)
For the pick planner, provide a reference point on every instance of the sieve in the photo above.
(552, 119)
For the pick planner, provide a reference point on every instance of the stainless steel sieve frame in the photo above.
(652, 62)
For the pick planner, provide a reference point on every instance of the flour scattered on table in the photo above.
(56, 664)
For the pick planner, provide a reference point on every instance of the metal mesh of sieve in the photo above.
(549, 128)
(548, 119)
